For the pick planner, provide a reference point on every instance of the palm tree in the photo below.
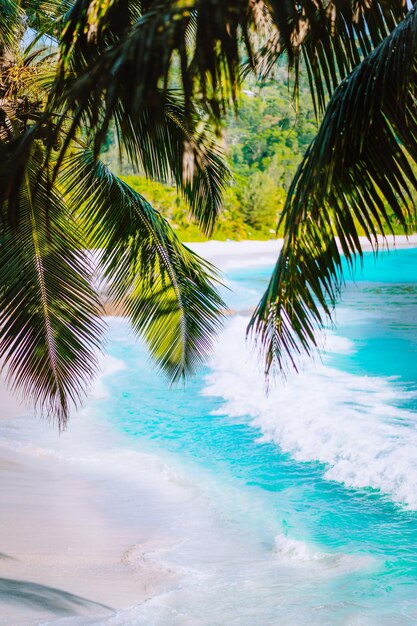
(360, 60)
(51, 182)
(164, 73)
(357, 175)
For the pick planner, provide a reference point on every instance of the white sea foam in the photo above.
(296, 550)
(200, 525)
(352, 424)
(331, 563)
(284, 587)
(108, 365)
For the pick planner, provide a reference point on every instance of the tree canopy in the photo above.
(263, 145)
(51, 179)
(164, 76)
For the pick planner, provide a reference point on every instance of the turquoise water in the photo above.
(318, 479)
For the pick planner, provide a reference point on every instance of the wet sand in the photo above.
(64, 551)
(71, 543)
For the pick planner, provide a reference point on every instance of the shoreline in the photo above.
(230, 255)
(249, 253)
(64, 550)
(79, 532)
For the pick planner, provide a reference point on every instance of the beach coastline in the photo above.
(229, 255)
(77, 538)
(249, 253)
(63, 550)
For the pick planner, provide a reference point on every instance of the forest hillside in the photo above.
(264, 145)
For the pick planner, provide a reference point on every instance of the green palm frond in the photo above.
(91, 26)
(25, 79)
(357, 173)
(166, 290)
(45, 17)
(10, 22)
(167, 148)
(139, 44)
(50, 332)
(165, 73)
(172, 148)
(327, 39)
(200, 37)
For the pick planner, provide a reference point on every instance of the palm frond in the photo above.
(167, 291)
(25, 79)
(200, 37)
(91, 26)
(177, 149)
(357, 173)
(206, 41)
(46, 17)
(49, 331)
(327, 39)
(10, 21)
(170, 147)
(162, 132)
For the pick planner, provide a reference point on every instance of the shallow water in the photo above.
(301, 505)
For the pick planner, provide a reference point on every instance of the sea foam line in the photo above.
(350, 423)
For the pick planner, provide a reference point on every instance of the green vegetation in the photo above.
(264, 144)
(58, 199)
(166, 77)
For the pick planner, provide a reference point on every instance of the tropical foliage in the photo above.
(164, 75)
(263, 144)
(360, 163)
(50, 313)
(359, 59)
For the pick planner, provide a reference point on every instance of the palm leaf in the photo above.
(48, 312)
(45, 17)
(22, 119)
(171, 147)
(327, 39)
(179, 150)
(206, 41)
(167, 291)
(10, 22)
(356, 173)
(202, 35)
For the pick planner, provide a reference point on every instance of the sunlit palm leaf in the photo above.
(167, 291)
(138, 45)
(163, 135)
(49, 333)
(168, 148)
(91, 26)
(327, 39)
(174, 149)
(27, 76)
(356, 173)
(10, 20)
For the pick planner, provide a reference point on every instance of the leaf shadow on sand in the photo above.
(42, 597)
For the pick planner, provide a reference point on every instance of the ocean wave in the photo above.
(108, 366)
(352, 424)
(302, 553)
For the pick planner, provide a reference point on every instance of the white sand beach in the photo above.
(77, 535)
(230, 254)
(63, 551)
